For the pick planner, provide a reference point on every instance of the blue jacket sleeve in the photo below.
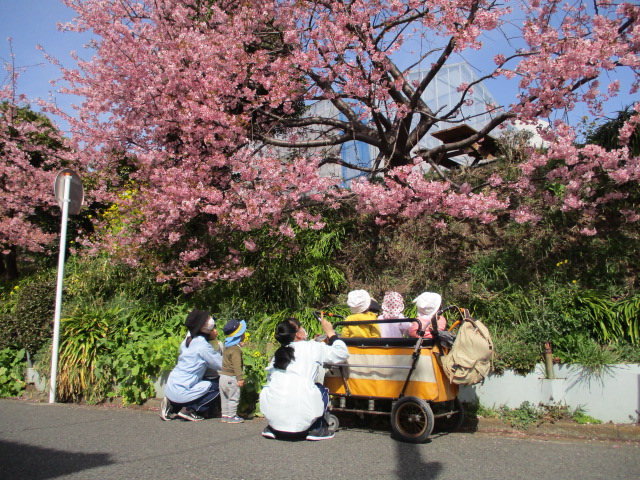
(213, 358)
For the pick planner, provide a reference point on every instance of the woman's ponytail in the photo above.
(285, 333)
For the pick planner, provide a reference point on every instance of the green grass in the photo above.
(528, 415)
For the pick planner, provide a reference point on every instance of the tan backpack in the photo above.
(470, 359)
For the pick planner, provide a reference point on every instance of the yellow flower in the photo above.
(256, 354)
(566, 261)
(574, 281)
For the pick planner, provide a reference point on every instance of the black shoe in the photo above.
(321, 433)
(268, 433)
(190, 415)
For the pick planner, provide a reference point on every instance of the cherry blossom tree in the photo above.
(202, 97)
(31, 154)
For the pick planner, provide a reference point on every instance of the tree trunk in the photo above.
(9, 265)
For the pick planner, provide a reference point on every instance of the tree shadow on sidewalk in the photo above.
(19, 460)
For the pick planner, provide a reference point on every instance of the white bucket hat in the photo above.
(428, 303)
(358, 301)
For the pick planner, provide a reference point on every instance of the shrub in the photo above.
(12, 367)
(7, 331)
(527, 414)
(625, 352)
(29, 323)
(35, 310)
(144, 350)
(522, 417)
(135, 364)
(609, 319)
(580, 349)
(579, 416)
(85, 335)
(117, 348)
(255, 359)
(288, 274)
(512, 353)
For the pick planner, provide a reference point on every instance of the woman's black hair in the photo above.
(294, 320)
(198, 334)
(285, 333)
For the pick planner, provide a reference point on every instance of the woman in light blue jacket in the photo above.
(188, 394)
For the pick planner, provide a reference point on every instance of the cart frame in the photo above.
(377, 386)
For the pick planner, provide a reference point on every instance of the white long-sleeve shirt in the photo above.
(290, 401)
(185, 382)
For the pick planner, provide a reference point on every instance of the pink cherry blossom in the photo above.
(33, 153)
(199, 97)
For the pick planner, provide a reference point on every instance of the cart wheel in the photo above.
(454, 421)
(412, 419)
(333, 423)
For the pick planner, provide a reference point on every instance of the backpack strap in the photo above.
(468, 318)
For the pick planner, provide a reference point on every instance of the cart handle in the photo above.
(420, 332)
(368, 322)
(464, 316)
(317, 313)
(357, 365)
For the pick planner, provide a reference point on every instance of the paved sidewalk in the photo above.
(562, 429)
(43, 441)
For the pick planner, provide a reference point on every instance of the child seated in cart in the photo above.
(362, 308)
(428, 304)
(393, 308)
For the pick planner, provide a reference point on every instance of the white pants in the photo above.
(229, 395)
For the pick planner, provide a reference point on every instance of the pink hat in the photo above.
(392, 305)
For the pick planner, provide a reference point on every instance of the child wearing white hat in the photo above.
(428, 304)
(362, 308)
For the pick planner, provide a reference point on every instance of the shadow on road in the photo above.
(410, 463)
(18, 460)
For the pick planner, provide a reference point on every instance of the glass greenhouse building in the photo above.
(440, 94)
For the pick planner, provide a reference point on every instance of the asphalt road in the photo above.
(43, 441)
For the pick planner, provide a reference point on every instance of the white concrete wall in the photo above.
(159, 384)
(612, 396)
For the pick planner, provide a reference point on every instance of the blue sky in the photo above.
(33, 22)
